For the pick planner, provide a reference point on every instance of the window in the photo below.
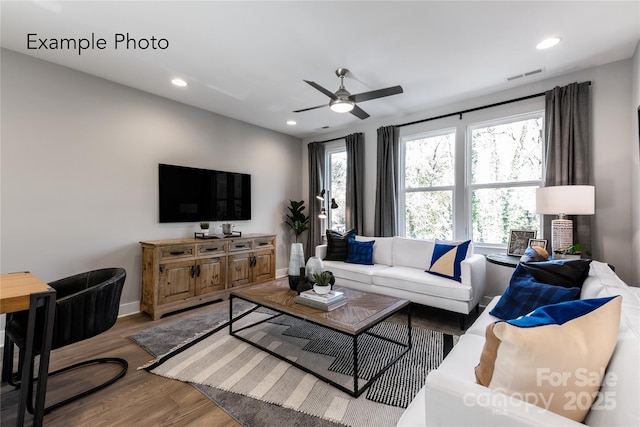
(428, 185)
(506, 168)
(336, 184)
(475, 180)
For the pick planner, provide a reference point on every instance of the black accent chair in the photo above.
(86, 305)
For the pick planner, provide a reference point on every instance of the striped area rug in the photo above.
(226, 363)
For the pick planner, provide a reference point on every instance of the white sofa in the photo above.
(399, 271)
(451, 396)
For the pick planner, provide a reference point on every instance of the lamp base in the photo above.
(561, 234)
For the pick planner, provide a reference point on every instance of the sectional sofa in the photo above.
(399, 269)
(451, 395)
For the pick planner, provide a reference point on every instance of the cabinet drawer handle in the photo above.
(240, 246)
(263, 243)
(211, 249)
(177, 252)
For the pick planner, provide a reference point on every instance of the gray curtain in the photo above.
(386, 208)
(354, 207)
(567, 149)
(316, 183)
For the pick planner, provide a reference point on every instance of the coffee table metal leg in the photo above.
(231, 315)
(355, 365)
(409, 323)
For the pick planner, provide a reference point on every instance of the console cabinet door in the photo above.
(263, 265)
(211, 275)
(239, 269)
(176, 281)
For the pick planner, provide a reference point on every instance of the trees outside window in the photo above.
(485, 192)
(336, 163)
(506, 168)
(427, 185)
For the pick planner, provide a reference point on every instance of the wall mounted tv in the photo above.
(194, 195)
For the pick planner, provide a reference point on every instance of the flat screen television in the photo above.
(194, 195)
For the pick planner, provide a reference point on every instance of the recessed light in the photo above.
(291, 122)
(547, 43)
(179, 82)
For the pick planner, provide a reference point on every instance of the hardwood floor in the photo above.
(140, 398)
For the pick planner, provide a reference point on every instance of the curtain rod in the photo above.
(335, 139)
(460, 113)
(332, 139)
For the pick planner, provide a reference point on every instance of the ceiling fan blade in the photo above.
(310, 108)
(366, 96)
(321, 89)
(359, 112)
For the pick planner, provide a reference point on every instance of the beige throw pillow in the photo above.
(555, 357)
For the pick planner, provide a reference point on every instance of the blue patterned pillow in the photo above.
(446, 259)
(524, 294)
(360, 252)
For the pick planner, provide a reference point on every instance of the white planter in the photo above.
(296, 259)
(321, 290)
(566, 256)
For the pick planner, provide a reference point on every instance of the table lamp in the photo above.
(564, 200)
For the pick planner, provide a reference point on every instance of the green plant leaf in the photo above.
(296, 219)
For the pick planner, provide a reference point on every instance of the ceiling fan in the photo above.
(343, 102)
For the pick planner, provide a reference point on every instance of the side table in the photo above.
(500, 267)
(504, 260)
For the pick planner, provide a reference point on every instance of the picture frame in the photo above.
(519, 241)
(538, 243)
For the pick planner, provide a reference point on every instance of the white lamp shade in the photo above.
(566, 199)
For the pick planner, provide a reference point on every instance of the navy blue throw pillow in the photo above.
(524, 294)
(570, 273)
(360, 252)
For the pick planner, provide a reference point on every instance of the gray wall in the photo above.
(635, 167)
(80, 170)
(612, 135)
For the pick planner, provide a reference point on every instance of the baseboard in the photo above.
(485, 301)
(129, 308)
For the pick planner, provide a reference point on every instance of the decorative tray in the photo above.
(217, 236)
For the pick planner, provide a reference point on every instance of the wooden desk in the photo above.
(24, 291)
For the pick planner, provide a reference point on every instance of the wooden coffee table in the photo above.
(362, 312)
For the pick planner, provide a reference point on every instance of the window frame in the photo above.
(470, 187)
(462, 220)
(331, 148)
(402, 190)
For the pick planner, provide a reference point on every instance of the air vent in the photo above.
(527, 74)
(531, 73)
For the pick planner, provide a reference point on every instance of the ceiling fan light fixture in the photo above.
(341, 105)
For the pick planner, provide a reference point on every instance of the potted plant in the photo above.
(204, 226)
(573, 251)
(322, 282)
(296, 219)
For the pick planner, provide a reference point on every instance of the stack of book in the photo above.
(326, 302)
